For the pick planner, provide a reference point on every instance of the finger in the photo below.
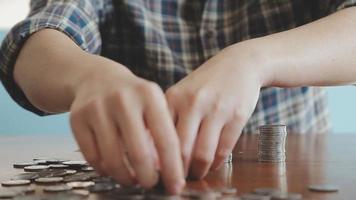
(135, 138)
(187, 128)
(111, 149)
(228, 138)
(166, 142)
(86, 140)
(205, 146)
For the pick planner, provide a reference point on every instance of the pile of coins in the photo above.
(271, 143)
(65, 179)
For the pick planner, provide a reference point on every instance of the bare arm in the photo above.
(321, 53)
(111, 110)
(213, 104)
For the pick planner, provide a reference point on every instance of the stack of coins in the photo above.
(271, 143)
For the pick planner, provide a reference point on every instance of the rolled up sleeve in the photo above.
(78, 19)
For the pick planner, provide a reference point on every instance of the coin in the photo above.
(57, 188)
(7, 194)
(83, 193)
(254, 197)
(24, 164)
(49, 180)
(70, 171)
(58, 166)
(81, 184)
(228, 190)
(80, 163)
(87, 169)
(101, 187)
(323, 188)
(36, 168)
(25, 189)
(26, 176)
(15, 183)
(286, 196)
(265, 191)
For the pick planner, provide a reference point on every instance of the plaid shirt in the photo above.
(164, 40)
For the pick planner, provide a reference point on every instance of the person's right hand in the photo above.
(122, 123)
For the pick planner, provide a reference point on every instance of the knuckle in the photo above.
(239, 115)
(222, 153)
(196, 99)
(202, 158)
(220, 107)
(148, 87)
(172, 94)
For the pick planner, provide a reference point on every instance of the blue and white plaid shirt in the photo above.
(164, 40)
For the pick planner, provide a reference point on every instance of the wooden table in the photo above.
(311, 159)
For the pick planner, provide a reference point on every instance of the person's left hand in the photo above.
(211, 106)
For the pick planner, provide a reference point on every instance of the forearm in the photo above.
(321, 53)
(50, 67)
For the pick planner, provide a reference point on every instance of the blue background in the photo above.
(15, 120)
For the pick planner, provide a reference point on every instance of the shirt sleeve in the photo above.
(80, 20)
(337, 5)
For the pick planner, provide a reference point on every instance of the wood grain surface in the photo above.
(311, 159)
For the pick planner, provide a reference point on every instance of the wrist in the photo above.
(255, 55)
(98, 69)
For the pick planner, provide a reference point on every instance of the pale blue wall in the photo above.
(15, 120)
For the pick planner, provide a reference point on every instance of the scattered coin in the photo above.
(7, 194)
(265, 191)
(83, 193)
(228, 190)
(70, 171)
(57, 188)
(55, 161)
(101, 187)
(80, 163)
(254, 197)
(24, 189)
(15, 183)
(87, 169)
(58, 166)
(26, 176)
(24, 164)
(81, 184)
(36, 168)
(323, 188)
(49, 180)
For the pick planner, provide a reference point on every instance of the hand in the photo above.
(121, 122)
(211, 106)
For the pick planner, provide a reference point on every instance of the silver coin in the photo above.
(49, 180)
(83, 193)
(58, 166)
(36, 168)
(254, 197)
(81, 184)
(87, 169)
(286, 196)
(75, 163)
(7, 194)
(57, 188)
(323, 188)
(265, 191)
(16, 183)
(71, 171)
(25, 189)
(228, 191)
(24, 164)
